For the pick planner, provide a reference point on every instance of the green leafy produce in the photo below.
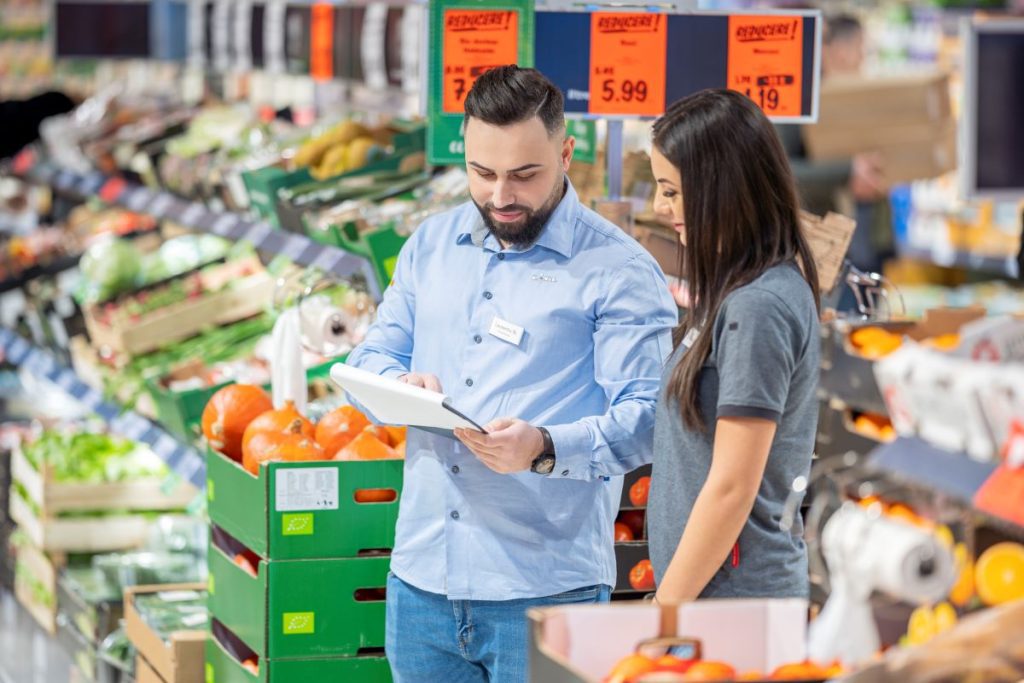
(92, 458)
(109, 267)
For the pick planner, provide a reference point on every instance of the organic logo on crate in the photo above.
(209, 489)
(298, 623)
(297, 525)
(209, 673)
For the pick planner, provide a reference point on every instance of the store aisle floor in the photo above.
(27, 653)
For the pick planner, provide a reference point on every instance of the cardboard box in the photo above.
(581, 643)
(266, 517)
(178, 661)
(907, 120)
(145, 673)
(297, 609)
(223, 665)
(891, 101)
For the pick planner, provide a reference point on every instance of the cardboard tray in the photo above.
(581, 643)
(281, 612)
(265, 518)
(178, 661)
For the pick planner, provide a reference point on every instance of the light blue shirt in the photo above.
(596, 317)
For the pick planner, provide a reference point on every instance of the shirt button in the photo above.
(478, 339)
(455, 469)
(488, 295)
(565, 473)
(455, 514)
(501, 257)
(469, 382)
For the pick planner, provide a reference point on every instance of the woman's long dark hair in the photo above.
(741, 211)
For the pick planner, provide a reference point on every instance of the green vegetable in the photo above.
(92, 458)
(109, 267)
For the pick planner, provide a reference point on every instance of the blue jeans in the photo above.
(431, 639)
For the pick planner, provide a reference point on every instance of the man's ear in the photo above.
(568, 147)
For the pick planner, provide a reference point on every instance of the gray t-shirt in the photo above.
(763, 363)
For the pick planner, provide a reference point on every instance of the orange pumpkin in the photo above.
(339, 427)
(286, 420)
(229, 412)
(375, 495)
(366, 446)
(298, 448)
(630, 667)
(268, 446)
(397, 435)
(251, 666)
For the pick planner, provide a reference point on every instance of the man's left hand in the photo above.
(510, 445)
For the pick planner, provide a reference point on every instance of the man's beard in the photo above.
(525, 231)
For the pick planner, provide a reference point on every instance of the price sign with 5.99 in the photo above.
(475, 41)
(766, 61)
(627, 63)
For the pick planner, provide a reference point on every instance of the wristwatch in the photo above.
(545, 462)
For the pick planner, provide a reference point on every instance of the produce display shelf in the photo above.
(182, 459)
(48, 270)
(164, 205)
(914, 462)
(1005, 266)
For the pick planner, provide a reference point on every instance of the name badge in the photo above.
(506, 331)
(691, 337)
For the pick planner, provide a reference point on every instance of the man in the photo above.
(863, 176)
(533, 313)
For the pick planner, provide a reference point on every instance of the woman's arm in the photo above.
(738, 461)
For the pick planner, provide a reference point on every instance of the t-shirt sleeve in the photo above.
(758, 341)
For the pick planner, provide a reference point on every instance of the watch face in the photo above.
(544, 464)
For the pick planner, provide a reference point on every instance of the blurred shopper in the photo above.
(822, 184)
(737, 413)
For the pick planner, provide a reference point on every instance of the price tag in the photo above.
(24, 162)
(766, 61)
(474, 42)
(321, 42)
(627, 63)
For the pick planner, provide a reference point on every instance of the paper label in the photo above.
(306, 488)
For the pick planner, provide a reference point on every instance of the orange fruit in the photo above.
(905, 514)
(870, 501)
(867, 335)
(710, 671)
(944, 342)
(999, 574)
(339, 427)
(366, 446)
(963, 589)
(835, 670)
(630, 667)
(799, 671)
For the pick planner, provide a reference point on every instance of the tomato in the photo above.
(639, 491)
(623, 533)
(641, 577)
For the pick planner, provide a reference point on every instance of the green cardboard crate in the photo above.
(181, 412)
(303, 510)
(296, 609)
(381, 247)
(222, 667)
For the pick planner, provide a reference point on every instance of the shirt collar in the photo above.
(557, 236)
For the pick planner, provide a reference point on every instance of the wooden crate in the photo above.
(33, 562)
(122, 334)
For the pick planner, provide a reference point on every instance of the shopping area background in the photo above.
(178, 178)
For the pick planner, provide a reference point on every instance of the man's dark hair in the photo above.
(507, 94)
(841, 27)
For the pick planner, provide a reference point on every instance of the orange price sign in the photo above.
(321, 42)
(766, 61)
(24, 161)
(627, 63)
(112, 190)
(475, 41)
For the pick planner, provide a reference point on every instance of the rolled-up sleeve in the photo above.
(632, 341)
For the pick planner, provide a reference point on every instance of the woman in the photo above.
(737, 417)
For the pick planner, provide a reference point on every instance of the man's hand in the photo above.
(867, 178)
(509, 445)
(429, 382)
